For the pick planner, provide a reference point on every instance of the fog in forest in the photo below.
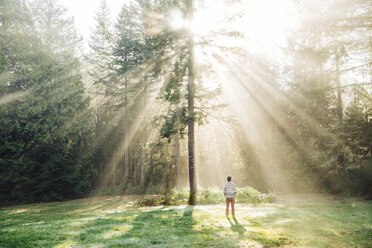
(173, 94)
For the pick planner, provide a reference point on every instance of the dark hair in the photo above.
(229, 179)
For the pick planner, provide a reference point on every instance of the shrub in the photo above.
(252, 195)
(151, 200)
(205, 196)
(210, 195)
(214, 195)
(178, 197)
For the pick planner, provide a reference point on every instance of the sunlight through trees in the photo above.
(174, 94)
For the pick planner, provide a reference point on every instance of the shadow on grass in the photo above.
(147, 227)
(260, 237)
(111, 224)
(154, 228)
(235, 226)
(64, 209)
(143, 228)
(51, 224)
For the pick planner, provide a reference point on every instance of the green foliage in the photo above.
(46, 128)
(121, 66)
(251, 195)
(210, 195)
(107, 191)
(124, 189)
(207, 196)
(179, 197)
(151, 200)
(160, 168)
(204, 196)
(328, 132)
(175, 122)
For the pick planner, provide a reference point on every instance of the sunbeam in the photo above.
(166, 99)
(8, 98)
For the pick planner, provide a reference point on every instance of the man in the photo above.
(229, 191)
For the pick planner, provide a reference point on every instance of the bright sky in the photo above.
(264, 24)
(84, 11)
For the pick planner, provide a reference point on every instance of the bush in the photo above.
(178, 197)
(151, 200)
(244, 195)
(252, 195)
(209, 195)
(205, 196)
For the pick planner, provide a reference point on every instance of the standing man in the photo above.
(229, 191)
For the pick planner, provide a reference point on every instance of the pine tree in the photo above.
(45, 133)
(100, 70)
(322, 58)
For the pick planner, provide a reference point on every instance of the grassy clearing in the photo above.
(294, 221)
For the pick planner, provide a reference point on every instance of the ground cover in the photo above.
(116, 221)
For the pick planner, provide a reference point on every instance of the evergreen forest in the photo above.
(165, 99)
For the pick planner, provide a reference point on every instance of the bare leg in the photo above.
(227, 206)
(233, 207)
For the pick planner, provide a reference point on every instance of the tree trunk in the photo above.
(143, 157)
(113, 174)
(126, 143)
(176, 157)
(369, 121)
(190, 102)
(143, 154)
(369, 125)
(191, 139)
(339, 91)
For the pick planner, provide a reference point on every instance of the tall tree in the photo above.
(336, 49)
(182, 88)
(100, 70)
(190, 105)
(45, 133)
(125, 53)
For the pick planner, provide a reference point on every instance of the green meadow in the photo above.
(292, 221)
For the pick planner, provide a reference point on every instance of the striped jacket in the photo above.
(229, 190)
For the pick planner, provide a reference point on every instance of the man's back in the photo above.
(229, 190)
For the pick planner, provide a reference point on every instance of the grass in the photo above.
(293, 221)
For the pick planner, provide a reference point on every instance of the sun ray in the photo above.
(258, 130)
(119, 153)
(264, 85)
(11, 97)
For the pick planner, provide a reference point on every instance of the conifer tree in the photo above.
(45, 132)
(100, 70)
